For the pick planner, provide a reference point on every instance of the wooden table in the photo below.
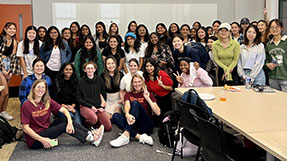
(257, 116)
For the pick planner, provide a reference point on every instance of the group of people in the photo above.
(97, 80)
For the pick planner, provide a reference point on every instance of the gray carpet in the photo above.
(71, 149)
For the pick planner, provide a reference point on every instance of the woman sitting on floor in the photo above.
(35, 118)
(137, 121)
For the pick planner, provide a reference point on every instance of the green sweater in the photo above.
(77, 63)
(277, 53)
(226, 58)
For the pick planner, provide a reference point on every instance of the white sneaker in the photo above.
(144, 138)
(120, 141)
(98, 135)
(6, 116)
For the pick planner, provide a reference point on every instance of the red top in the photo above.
(37, 117)
(153, 86)
(140, 98)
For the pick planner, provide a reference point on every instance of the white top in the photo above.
(126, 81)
(135, 55)
(28, 58)
(54, 63)
(252, 58)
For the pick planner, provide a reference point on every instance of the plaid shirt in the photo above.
(14, 60)
(26, 85)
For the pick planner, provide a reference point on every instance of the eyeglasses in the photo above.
(275, 28)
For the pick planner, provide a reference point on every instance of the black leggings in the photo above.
(234, 74)
(57, 128)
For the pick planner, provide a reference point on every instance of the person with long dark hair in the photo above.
(114, 30)
(161, 53)
(114, 49)
(9, 64)
(264, 32)
(42, 33)
(137, 121)
(235, 32)
(75, 33)
(215, 26)
(84, 32)
(101, 36)
(132, 26)
(202, 37)
(173, 29)
(66, 35)
(64, 90)
(55, 52)
(196, 25)
(88, 53)
(35, 119)
(185, 33)
(252, 57)
(161, 30)
(112, 78)
(132, 50)
(28, 50)
(159, 83)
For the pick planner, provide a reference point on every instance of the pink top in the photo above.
(201, 79)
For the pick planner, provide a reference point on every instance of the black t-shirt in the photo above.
(67, 94)
(114, 88)
(120, 54)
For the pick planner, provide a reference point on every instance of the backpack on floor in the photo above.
(167, 128)
(188, 149)
(7, 132)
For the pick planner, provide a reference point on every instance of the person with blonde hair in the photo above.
(140, 105)
(35, 119)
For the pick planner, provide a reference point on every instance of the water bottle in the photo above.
(248, 83)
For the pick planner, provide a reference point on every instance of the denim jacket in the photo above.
(65, 53)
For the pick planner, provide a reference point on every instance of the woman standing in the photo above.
(114, 49)
(173, 29)
(235, 32)
(67, 37)
(91, 95)
(9, 64)
(75, 33)
(64, 91)
(226, 53)
(161, 53)
(276, 59)
(161, 30)
(55, 52)
(114, 30)
(185, 33)
(132, 50)
(215, 26)
(143, 36)
(84, 32)
(202, 37)
(35, 119)
(101, 36)
(88, 53)
(112, 78)
(159, 83)
(252, 57)
(263, 29)
(137, 121)
(132, 27)
(28, 50)
(38, 66)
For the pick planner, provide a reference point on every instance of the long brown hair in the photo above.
(45, 98)
(117, 76)
(137, 76)
(264, 38)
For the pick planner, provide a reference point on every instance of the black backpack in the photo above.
(7, 132)
(167, 126)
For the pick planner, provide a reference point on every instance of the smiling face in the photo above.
(235, 29)
(54, 34)
(111, 65)
(133, 27)
(251, 34)
(90, 70)
(209, 43)
(68, 71)
(215, 27)
(31, 35)
(39, 68)
(133, 67)
(88, 44)
(137, 84)
(184, 31)
(261, 27)
(114, 28)
(223, 33)
(41, 33)
(154, 39)
(149, 68)
(10, 30)
(130, 41)
(66, 34)
(142, 31)
(275, 29)
(74, 28)
(177, 43)
(99, 28)
(85, 31)
(201, 33)
(113, 42)
(193, 33)
(160, 29)
(184, 66)
(39, 90)
(173, 28)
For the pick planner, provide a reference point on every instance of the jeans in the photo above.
(76, 117)
(57, 128)
(143, 123)
(260, 78)
(6, 61)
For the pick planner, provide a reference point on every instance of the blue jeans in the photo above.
(6, 61)
(76, 117)
(260, 79)
(143, 123)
